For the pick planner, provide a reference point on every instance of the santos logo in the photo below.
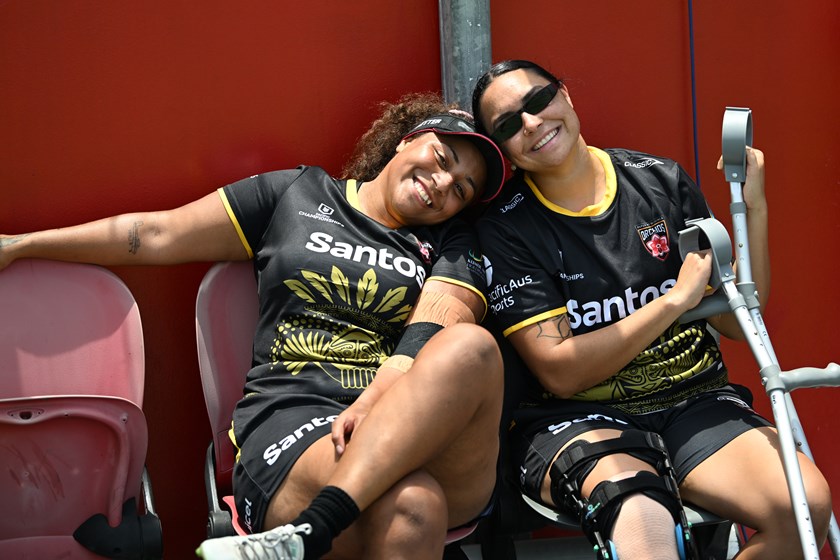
(320, 242)
(614, 308)
(557, 428)
(273, 451)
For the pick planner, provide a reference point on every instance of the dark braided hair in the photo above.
(378, 145)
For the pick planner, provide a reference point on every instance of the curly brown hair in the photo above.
(378, 145)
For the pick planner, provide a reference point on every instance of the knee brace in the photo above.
(599, 512)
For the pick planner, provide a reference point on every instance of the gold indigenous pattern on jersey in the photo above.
(350, 355)
(677, 356)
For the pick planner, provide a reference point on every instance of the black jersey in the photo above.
(600, 265)
(335, 287)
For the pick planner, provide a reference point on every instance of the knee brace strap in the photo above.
(599, 512)
(575, 462)
(606, 499)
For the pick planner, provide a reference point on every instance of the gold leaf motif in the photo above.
(319, 283)
(393, 297)
(341, 283)
(402, 315)
(300, 290)
(366, 291)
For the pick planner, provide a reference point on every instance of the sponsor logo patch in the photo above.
(513, 203)
(644, 162)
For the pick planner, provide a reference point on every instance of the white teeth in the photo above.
(419, 188)
(546, 139)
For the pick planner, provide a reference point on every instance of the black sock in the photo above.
(329, 514)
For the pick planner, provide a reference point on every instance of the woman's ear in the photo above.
(403, 143)
(568, 97)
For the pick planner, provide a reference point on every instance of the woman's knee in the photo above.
(779, 521)
(468, 353)
(474, 345)
(411, 513)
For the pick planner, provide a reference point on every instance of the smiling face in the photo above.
(546, 138)
(433, 177)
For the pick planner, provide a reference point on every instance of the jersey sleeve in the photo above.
(520, 289)
(251, 202)
(694, 204)
(459, 261)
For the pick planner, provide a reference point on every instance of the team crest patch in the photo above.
(426, 250)
(654, 237)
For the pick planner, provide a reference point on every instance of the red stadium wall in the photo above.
(111, 107)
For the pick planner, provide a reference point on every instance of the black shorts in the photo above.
(272, 440)
(693, 430)
(268, 452)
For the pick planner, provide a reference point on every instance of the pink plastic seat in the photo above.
(73, 433)
(226, 319)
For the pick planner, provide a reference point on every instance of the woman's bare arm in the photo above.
(198, 231)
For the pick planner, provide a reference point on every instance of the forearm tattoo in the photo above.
(7, 241)
(556, 327)
(134, 238)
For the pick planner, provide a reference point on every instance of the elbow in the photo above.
(553, 380)
(562, 393)
(728, 326)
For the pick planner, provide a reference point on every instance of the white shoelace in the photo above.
(270, 544)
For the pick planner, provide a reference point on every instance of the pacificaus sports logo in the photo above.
(654, 237)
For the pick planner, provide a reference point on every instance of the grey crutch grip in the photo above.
(709, 233)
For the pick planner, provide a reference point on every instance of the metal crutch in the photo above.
(742, 299)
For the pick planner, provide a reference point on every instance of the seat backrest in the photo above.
(68, 329)
(73, 433)
(226, 312)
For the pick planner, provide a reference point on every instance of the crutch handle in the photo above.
(737, 134)
(709, 233)
(710, 306)
(828, 376)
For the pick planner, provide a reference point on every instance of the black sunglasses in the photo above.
(511, 124)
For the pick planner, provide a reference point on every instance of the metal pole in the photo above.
(464, 47)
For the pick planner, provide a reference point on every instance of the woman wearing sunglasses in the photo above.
(374, 400)
(587, 285)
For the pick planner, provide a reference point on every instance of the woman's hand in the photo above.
(754, 184)
(693, 280)
(346, 423)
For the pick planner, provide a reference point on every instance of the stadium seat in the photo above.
(73, 433)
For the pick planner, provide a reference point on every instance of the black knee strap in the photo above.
(575, 462)
(599, 512)
(605, 501)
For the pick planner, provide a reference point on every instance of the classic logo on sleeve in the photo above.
(654, 237)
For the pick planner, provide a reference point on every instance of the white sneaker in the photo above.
(281, 543)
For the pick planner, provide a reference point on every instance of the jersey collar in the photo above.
(594, 209)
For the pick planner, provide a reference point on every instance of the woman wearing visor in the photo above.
(370, 419)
